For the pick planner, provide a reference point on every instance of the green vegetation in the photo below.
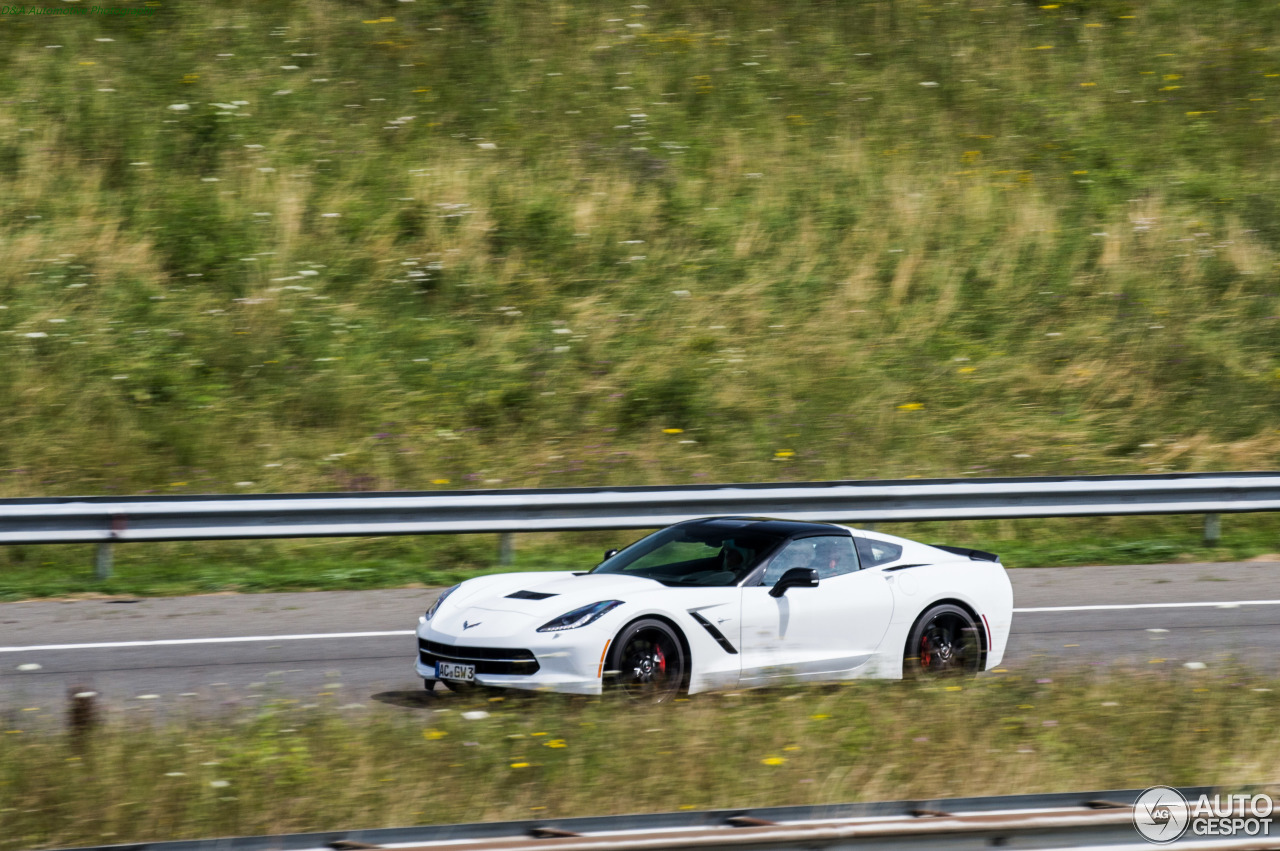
(322, 245)
(351, 246)
(291, 768)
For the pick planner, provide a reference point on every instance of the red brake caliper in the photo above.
(660, 658)
(925, 655)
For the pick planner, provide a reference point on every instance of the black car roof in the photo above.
(769, 526)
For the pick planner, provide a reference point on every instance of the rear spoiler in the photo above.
(975, 555)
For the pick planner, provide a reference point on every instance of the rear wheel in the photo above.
(647, 662)
(944, 641)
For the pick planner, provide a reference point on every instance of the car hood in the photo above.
(483, 609)
(549, 594)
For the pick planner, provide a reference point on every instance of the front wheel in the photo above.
(944, 641)
(647, 662)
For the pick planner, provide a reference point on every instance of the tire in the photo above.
(647, 662)
(945, 641)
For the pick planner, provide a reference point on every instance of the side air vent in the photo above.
(528, 595)
(724, 643)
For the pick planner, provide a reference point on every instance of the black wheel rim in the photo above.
(650, 668)
(948, 644)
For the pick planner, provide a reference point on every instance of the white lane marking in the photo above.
(105, 645)
(169, 642)
(1224, 604)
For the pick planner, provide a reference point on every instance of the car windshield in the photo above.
(693, 555)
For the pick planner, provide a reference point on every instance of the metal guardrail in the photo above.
(188, 518)
(108, 520)
(1102, 820)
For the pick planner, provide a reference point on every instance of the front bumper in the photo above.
(549, 662)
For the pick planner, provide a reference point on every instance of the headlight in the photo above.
(580, 617)
(436, 605)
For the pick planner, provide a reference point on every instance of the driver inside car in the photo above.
(829, 559)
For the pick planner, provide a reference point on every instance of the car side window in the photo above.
(875, 553)
(830, 555)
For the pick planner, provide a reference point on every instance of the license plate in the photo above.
(455, 671)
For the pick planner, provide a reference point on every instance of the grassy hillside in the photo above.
(333, 245)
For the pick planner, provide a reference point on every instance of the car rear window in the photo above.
(874, 553)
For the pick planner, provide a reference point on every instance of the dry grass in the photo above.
(290, 768)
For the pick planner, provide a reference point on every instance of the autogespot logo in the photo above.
(1163, 815)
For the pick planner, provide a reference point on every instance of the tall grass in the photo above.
(291, 768)
(382, 245)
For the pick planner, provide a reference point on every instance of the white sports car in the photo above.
(725, 602)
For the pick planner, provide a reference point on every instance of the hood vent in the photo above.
(528, 595)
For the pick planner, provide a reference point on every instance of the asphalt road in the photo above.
(353, 648)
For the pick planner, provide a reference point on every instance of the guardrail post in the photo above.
(506, 548)
(102, 562)
(1212, 528)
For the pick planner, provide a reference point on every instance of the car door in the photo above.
(814, 633)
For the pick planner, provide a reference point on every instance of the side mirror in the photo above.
(608, 554)
(796, 577)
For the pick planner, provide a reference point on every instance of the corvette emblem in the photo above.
(466, 625)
